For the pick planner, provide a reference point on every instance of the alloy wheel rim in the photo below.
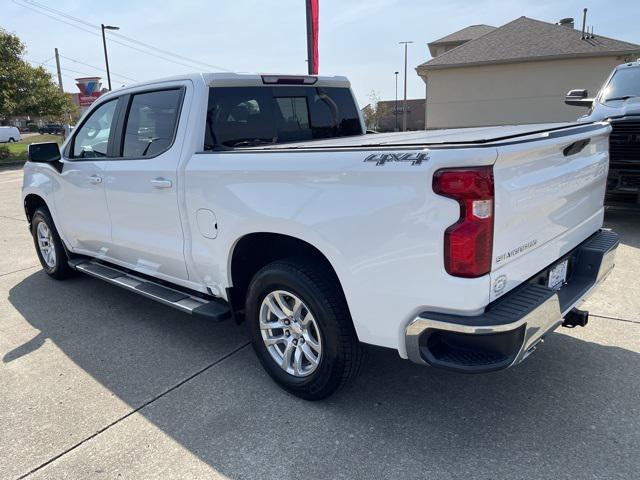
(45, 243)
(290, 333)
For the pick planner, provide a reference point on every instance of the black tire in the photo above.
(12, 140)
(342, 354)
(60, 268)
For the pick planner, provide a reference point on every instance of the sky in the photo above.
(358, 39)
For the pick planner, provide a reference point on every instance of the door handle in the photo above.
(161, 183)
(95, 179)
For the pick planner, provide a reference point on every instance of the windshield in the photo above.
(625, 83)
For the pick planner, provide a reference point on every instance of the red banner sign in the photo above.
(313, 17)
(89, 90)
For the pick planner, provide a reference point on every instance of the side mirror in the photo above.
(46, 152)
(578, 98)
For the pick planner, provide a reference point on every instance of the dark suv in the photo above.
(52, 129)
(619, 103)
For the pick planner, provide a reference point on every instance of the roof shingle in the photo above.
(528, 39)
(467, 33)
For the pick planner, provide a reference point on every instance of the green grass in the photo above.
(17, 152)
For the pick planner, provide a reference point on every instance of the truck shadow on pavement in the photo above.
(571, 408)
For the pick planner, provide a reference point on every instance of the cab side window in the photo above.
(239, 116)
(92, 138)
(151, 123)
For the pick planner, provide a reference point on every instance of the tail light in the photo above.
(468, 243)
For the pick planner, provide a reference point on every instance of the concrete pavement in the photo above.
(96, 382)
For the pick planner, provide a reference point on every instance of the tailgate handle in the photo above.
(576, 147)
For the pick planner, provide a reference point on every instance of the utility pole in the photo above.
(104, 44)
(396, 107)
(68, 114)
(59, 72)
(404, 103)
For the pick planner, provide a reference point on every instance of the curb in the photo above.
(12, 164)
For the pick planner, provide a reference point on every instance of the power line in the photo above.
(43, 62)
(98, 35)
(46, 64)
(54, 18)
(70, 77)
(44, 8)
(98, 68)
(166, 52)
(120, 35)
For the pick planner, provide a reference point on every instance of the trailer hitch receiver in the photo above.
(576, 318)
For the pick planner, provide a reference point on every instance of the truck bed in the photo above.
(429, 138)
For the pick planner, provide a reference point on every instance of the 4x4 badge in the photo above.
(382, 158)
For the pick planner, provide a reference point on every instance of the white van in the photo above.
(9, 134)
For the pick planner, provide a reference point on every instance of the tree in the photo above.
(374, 112)
(26, 90)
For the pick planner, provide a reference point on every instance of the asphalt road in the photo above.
(96, 382)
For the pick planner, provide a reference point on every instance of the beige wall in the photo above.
(440, 49)
(528, 92)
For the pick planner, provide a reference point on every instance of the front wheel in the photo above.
(51, 252)
(301, 329)
(12, 140)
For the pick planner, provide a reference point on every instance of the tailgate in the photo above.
(549, 193)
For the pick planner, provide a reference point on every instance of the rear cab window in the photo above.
(263, 115)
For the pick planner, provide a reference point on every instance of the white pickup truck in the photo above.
(260, 197)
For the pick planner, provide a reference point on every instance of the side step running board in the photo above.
(210, 308)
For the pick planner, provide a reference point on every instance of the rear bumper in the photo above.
(512, 326)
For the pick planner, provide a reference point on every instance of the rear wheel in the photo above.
(51, 252)
(301, 329)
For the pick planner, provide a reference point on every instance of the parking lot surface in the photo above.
(96, 382)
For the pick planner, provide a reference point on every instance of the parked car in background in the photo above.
(260, 197)
(9, 134)
(618, 102)
(51, 129)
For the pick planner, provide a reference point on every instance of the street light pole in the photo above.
(396, 107)
(104, 44)
(404, 103)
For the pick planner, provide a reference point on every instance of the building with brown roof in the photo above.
(516, 73)
(455, 39)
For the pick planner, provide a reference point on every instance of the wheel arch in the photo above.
(254, 250)
(32, 202)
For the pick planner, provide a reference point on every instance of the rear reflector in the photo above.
(289, 79)
(468, 243)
